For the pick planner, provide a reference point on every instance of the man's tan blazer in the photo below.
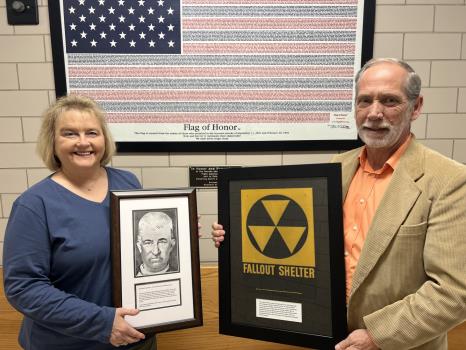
(409, 287)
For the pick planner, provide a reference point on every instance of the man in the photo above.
(155, 243)
(404, 218)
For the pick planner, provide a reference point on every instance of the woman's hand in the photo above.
(218, 234)
(122, 332)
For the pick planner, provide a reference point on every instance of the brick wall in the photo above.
(429, 34)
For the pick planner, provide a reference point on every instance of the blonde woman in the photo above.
(57, 268)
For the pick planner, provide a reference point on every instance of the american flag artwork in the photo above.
(216, 70)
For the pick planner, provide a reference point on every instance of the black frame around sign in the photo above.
(218, 146)
(326, 204)
(180, 205)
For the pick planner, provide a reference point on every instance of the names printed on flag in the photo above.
(261, 70)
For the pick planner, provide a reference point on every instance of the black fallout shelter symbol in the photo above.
(277, 226)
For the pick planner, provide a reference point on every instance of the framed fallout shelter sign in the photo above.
(281, 265)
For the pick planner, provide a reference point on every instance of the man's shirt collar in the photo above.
(392, 162)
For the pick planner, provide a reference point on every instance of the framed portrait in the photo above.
(281, 265)
(155, 258)
(229, 75)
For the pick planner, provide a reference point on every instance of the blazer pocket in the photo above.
(413, 230)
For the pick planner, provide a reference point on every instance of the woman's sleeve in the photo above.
(27, 255)
(135, 182)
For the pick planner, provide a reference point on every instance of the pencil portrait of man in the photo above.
(155, 242)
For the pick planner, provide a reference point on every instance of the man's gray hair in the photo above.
(412, 85)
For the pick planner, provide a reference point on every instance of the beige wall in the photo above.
(430, 34)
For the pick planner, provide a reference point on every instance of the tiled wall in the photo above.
(430, 34)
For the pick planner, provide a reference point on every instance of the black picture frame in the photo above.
(250, 198)
(296, 143)
(167, 291)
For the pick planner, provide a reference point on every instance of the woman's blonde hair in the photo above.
(46, 141)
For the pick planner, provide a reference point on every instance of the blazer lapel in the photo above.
(399, 198)
(348, 169)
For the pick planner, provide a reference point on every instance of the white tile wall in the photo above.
(450, 18)
(22, 48)
(254, 159)
(13, 180)
(463, 52)
(388, 45)
(448, 73)
(10, 130)
(9, 74)
(125, 160)
(388, 2)
(432, 46)
(36, 175)
(434, 2)
(418, 127)
(438, 100)
(462, 100)
(458, 152)
(3, 223)
(207, 202)
(201, 159)
(165, 177)
(442, 146)
(36, 76)
(307, 157)
(31, 128)
(23, 102)
(408, 19)
(444, 126)
(19, 155)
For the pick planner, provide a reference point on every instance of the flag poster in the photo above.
(213, 71)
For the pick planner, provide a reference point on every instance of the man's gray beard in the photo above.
(389, 139)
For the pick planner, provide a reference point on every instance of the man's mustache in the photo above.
(376, 125)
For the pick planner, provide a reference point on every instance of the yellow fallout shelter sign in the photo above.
(278, 230)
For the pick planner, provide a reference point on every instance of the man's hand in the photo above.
(217, 234)
(360, 339)
(122, 332)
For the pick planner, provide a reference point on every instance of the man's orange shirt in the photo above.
(364, 194)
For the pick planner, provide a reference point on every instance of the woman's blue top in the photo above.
(57, 266)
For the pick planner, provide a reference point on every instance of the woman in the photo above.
(56, 259)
